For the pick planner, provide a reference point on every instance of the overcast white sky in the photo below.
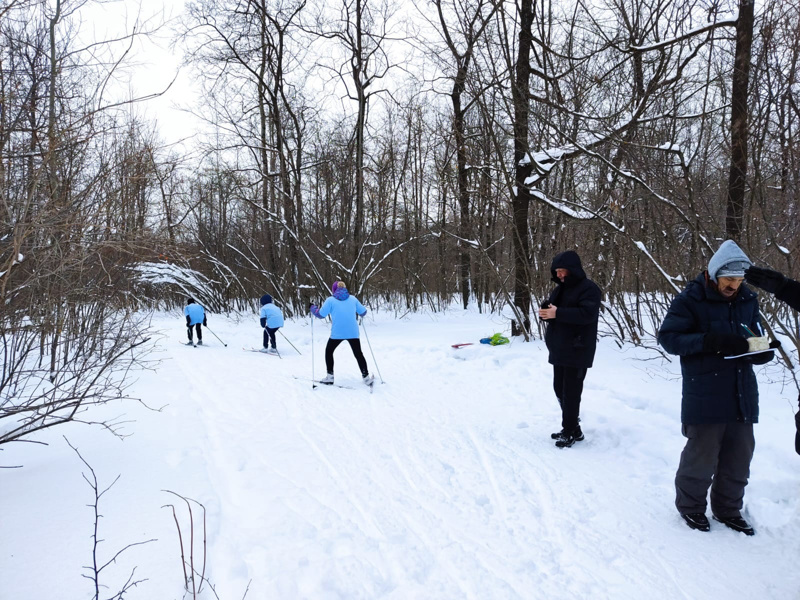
(153, 64)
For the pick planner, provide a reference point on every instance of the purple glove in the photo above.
(314, 310)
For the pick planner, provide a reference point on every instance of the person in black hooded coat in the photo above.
(787, 290)
(571, 313)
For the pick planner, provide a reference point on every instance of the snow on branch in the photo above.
(583, 212)
(562, 206)
(190, 282)
(655, 195)
(373, 265)
(646, 252)
(275, 218)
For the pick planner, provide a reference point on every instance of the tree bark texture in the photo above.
(737, 180)
(522, 167)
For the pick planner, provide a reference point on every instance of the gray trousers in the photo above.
(716, 456)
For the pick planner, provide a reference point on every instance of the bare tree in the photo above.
(361, 30)
(737, 181)
(470, 24)
(69, 340)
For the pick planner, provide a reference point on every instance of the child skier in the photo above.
(195, 316)
(343, 309)
(271, 321)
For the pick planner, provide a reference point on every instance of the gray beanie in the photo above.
(728, 261)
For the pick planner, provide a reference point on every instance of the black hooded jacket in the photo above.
(571, 337)
(790, 293)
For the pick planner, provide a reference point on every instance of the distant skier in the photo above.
(195, 317)
(571, 313)
(343, 310)
(271, 321)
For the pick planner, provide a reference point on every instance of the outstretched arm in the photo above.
(785, 289)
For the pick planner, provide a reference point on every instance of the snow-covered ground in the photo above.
(443, 483)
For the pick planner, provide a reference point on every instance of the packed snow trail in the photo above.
(445, 483)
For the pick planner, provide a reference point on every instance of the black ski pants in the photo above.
(568, 386)
(269, 336)
(199, 327)
(355, 346)
(716, 456)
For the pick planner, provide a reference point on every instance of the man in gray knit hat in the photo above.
(708, 325)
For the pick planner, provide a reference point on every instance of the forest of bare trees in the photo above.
(430, 155)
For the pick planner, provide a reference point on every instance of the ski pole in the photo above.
(313, 381)
(216, 336)
(290, 343)
(370, 350)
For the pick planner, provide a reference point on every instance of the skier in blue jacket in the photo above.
(271, 321)
(195, 317)
(343, 310)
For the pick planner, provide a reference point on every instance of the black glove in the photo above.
(205, 321)
(188, 321)
(727, 344)
(775, 344)
(766, 279)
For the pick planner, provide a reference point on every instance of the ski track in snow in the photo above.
(404, 492)
(444, 482)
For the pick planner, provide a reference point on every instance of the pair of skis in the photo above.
(315, 381)
(346, 387)
(259, 351)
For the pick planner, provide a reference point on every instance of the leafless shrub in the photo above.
(98, 567)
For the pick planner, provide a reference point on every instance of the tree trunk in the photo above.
(522, 170)
(463, 189)
(734, 222)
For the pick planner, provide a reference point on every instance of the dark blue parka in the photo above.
(571, 337)
(715, 389)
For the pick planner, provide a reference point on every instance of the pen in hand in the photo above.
(748, 330)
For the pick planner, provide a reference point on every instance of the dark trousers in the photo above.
(199, 327)
(568, 386)
(269, 336)
(355, 346)
(718, 456)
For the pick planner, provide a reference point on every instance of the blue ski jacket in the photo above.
(343, 308)
(271, 316)
(195, 313)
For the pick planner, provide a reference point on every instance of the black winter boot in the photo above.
(735, 523)
(568, 438)
(561, 434)
(697, 521)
